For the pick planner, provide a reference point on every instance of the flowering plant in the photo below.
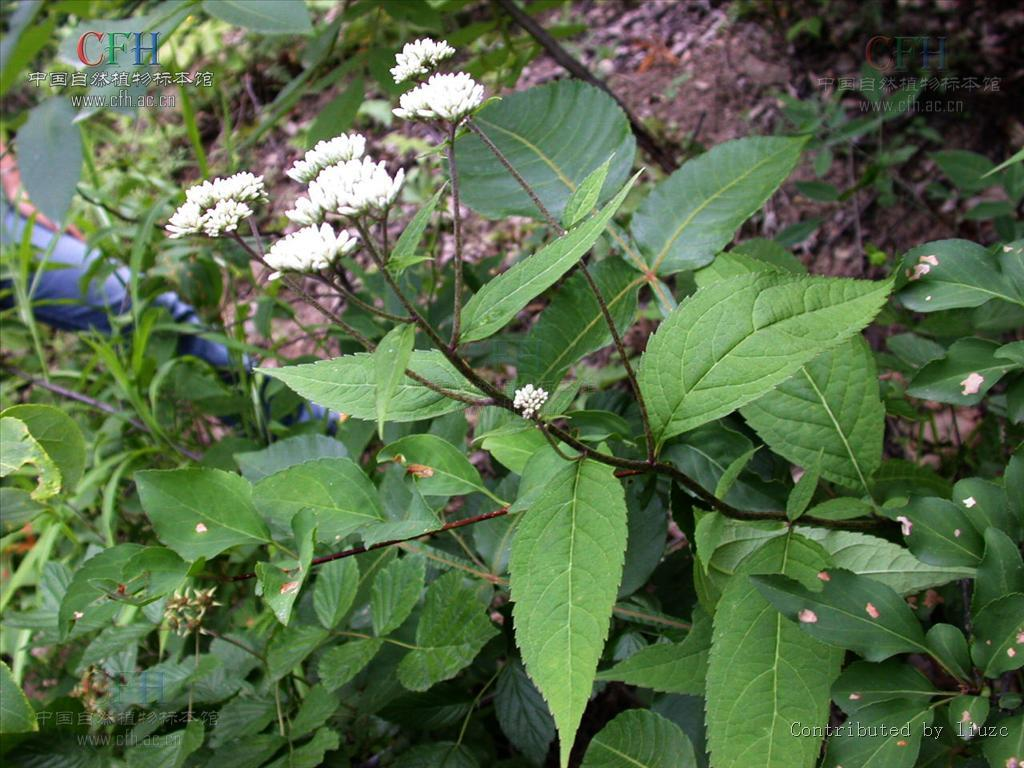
(621, 483)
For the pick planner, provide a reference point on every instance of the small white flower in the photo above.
(529, 399)
(215, 207)
(906, 526)
(242, 187)
(448, 97)
(224, 217)
(202, 195)
(308, 250)
(187, 220)
(419, 58)
(355, 187)
(305, 212)
(328, 153)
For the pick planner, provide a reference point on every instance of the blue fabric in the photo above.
(61, 302)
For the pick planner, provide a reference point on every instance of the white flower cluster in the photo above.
(352, 188)
(529, 399)
(419, 58)
(445, 97)
(310, 249)
(328, 153)
(216, 207)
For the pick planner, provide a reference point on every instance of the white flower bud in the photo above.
(529, 399)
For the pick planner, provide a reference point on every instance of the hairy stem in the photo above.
(92, 402)
(379, 545)
(591, 283)
(457, 230)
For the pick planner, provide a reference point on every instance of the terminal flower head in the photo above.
(529, 399)
(309, 250)
(354, 188)
(444, 97)
(216, 207)
(419, 58)
(328, 153)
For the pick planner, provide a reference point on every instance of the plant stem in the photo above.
(380, 544)
(551, 220)
(591, 283)
(457, 230)
(92, 402)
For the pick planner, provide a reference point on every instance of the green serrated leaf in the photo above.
(200, 512)
(16, 714)
(84, 603)
(335, 590)
(348, 385)
(256, 465)
(269, 17)
(693, 214)
(850, 611)
(439, 467)
(452, 629)
(404, 255)
(566, 565)
(390, 360)
(883, 561)
(502, 298)
(170, 750)
(764, 675)
(522, 713)
(733, 341)
(669, 667)
(336, 490)
(555, 135)
(572, 325)
(832, 405)
(584, 198)
(290, 645)
(639, 738)
(396, 590)
(343, 662)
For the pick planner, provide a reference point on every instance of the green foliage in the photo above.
(565, 567)
(694, 213)
(765, 327)
(740, 501)
(526, 128)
